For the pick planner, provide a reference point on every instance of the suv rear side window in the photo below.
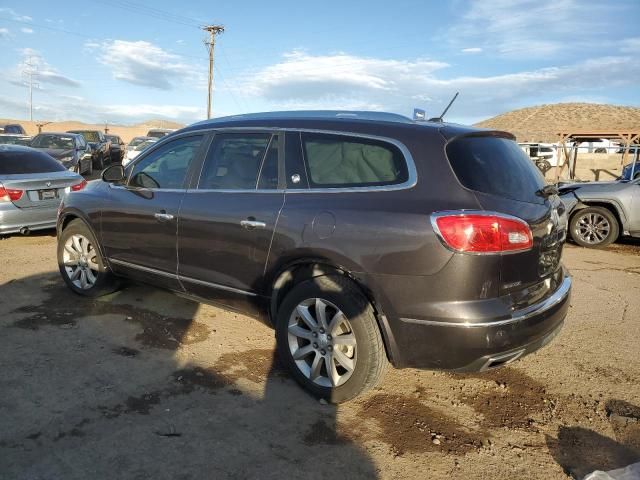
(344, 161)
(167, 166)
(234, 161)
(495, 165)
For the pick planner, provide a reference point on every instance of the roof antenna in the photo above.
(439, 119)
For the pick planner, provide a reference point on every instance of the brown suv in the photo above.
(362, 237)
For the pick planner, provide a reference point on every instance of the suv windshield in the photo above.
(90, 136)
(495, 165)
(53, 141)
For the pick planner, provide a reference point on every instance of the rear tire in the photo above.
(81, 264)
(594, 227)
(331, 329)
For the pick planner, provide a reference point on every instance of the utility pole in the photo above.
(210, 44)
(30, 71)
(40, 125)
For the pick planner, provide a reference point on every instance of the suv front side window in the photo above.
(346, 161)
(167, 166)
(241, 162)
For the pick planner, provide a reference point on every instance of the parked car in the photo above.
(362, 237)
(630, 172)
(544, 155)
(100, 146)
(70, 149)
(159, 132)
(14, 139)
(600, 212)
(31, 184)
(137, 146)
(117, 148)
(14, 128)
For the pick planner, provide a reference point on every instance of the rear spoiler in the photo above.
(451, 134)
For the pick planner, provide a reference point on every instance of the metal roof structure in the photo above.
(577, 136)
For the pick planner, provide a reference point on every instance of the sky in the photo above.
(126, 61)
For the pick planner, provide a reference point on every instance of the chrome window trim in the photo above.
(180, 278)
(459, 213)
(558, 296)
(411, 181)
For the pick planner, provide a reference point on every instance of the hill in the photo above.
(543, 122)
(126, 132)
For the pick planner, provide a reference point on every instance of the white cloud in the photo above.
(4, 33)
(344, 81)
(471, 50)
(533, 28)
(26, 30)
(66, 107)
(44, 73)
(302, 76)
(630, 45)
(15, 15)
(145, 64)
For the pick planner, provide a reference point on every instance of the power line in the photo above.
(154, 12)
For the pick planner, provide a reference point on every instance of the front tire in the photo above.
(81, 264)
(328, 337)
(594, 227)
(99, 162)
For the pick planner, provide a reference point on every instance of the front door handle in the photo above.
(252, 224)
(163, 216)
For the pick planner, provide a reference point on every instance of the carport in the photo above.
(569, 155)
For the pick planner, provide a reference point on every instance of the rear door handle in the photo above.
(252, 224)
(163, 216)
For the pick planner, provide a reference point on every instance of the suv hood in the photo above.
(587, 187)
(58, 153)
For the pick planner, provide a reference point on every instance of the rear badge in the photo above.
(48, 184)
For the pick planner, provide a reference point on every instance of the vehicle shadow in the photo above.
(145, 384)
(580, 451)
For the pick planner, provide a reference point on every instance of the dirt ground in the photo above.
(144, 384)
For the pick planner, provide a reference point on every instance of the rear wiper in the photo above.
(547, 191)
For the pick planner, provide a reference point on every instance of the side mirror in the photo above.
(113, 174)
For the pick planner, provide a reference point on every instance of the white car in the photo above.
(135, 147)
(544, 155)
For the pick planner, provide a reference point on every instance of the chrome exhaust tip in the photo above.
(25, 231)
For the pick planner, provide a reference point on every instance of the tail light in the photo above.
(482, 232)
(10, 194)
(78, 186)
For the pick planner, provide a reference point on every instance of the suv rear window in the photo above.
(16, 162)
(343, 161)
(495, 165)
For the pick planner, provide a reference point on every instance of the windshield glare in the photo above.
(53, 141)
(89, 135)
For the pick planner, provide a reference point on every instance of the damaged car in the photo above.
(600, 212)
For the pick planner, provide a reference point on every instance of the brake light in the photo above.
(10, 194)
(78, 186)
(482, 232)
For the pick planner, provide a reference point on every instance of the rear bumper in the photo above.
(480, 343)
(13, 219)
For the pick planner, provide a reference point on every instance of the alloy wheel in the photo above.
(322, 342)
(592, 228)
(80, 261)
